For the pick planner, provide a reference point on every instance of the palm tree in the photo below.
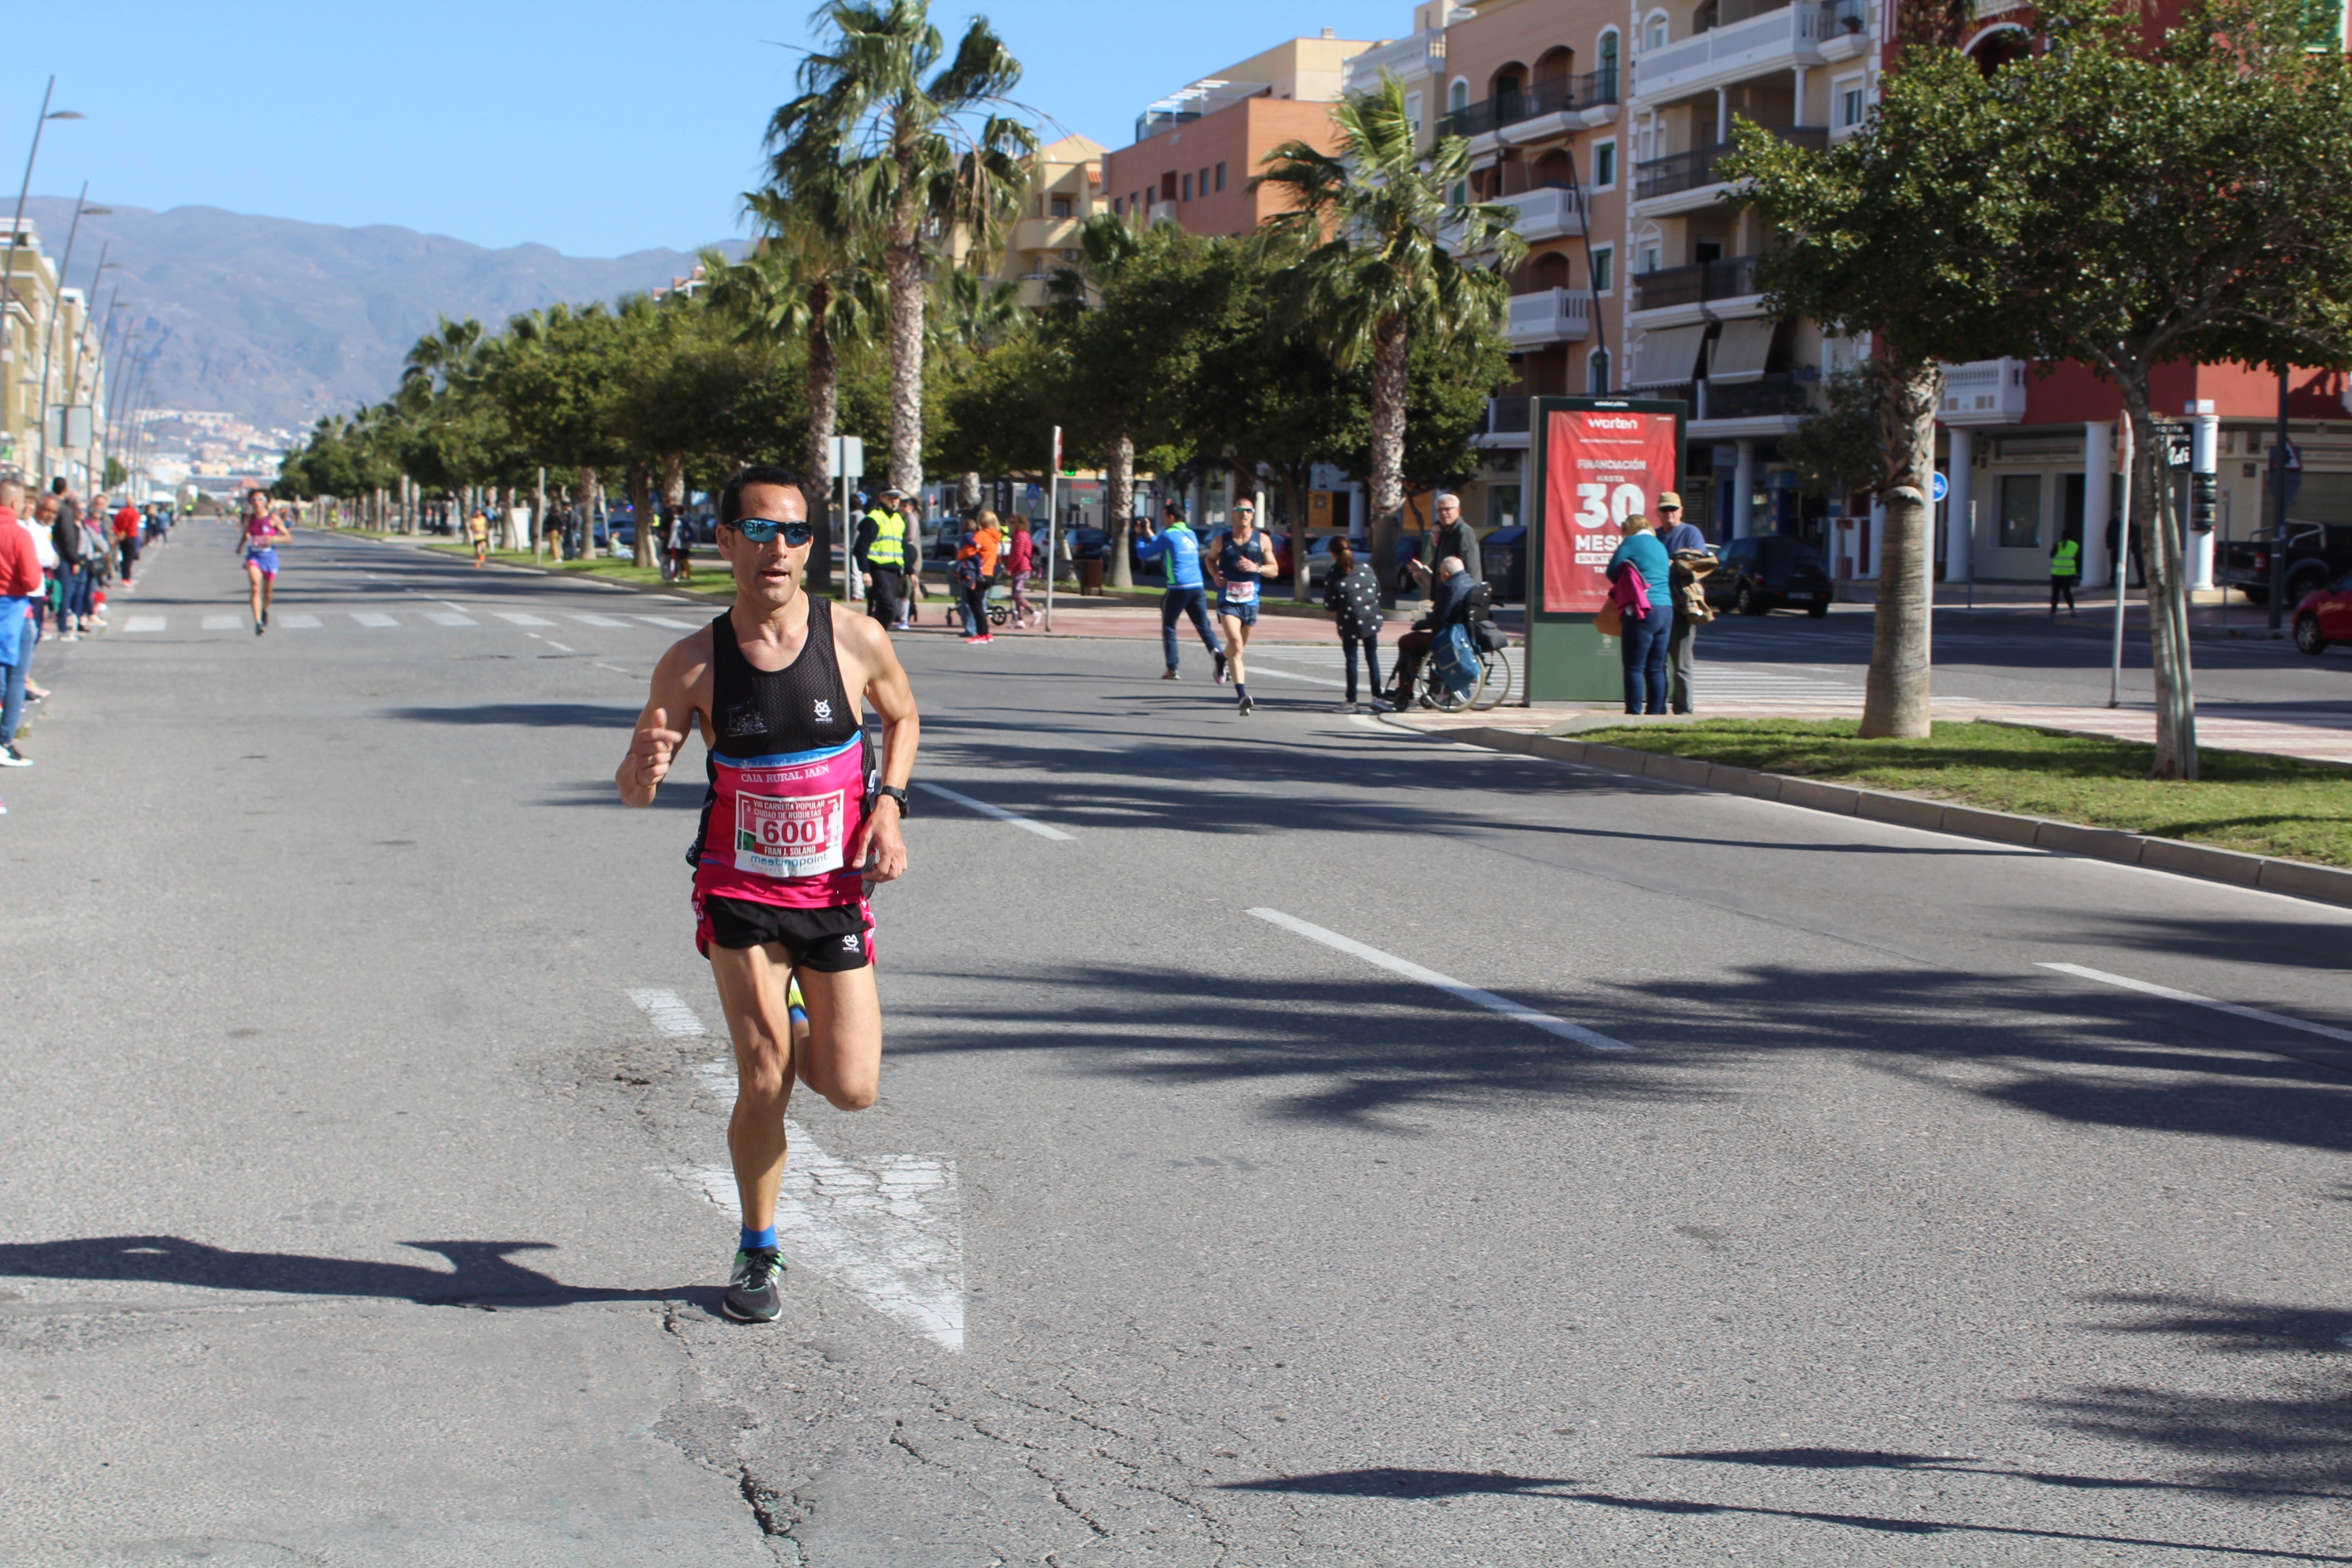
(812, 275)
(921, 151)
(1383, 250)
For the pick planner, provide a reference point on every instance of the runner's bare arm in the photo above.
(662, 727)
(880, 847)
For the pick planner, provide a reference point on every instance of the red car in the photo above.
(2324, 616)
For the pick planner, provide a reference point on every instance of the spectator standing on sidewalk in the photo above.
(1352, 594)
(73, 571)
(127, 522)
(880, 551)
(1640, 562)
(1448, 535)
(2065, 570)
(20, 582)
(1690, 561)
(1021, 559)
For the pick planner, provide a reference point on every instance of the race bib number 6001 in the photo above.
(791, 836)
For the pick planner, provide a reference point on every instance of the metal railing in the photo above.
(1590, 91)
(1679, 172)
(1727, 278)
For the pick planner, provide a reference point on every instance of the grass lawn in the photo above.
(2260, 804)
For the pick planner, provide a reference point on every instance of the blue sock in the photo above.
(758, 1240)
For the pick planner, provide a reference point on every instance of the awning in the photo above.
(1667, 355)
(1741, 351)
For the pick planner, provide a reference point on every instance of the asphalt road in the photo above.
(360, 1110)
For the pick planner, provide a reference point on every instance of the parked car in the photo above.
(2318, 553)
(2324, 616)
(1770, 572)
(1504, 553)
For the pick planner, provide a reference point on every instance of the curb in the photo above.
(2297, 879)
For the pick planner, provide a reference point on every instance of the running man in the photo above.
(1185, 595)
(259, 539)
(797, 826)
(1245, 558)
(478, 529)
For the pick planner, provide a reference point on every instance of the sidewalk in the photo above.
(2319, 739)
(2211, 613)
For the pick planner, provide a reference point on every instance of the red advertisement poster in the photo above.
(1600, 466)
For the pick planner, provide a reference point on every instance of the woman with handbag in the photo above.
(1645, 614)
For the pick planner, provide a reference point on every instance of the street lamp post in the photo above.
(17, 230)
(57, 297)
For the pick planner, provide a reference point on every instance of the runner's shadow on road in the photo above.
(1387, 1481)
(1968, 1465)
(526, 715)
(481, 1273)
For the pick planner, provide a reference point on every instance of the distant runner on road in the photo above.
(1245, 558)
(259, 539)
(797, 826)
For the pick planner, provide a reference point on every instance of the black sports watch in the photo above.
(895, 793)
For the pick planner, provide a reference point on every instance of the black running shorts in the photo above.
(824, 941)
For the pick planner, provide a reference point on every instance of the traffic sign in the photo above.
(1939, 486)
(847, 455)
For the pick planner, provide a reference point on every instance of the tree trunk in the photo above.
(1294, 496)
(539, 517)
(1122, 510)
(905, 264)
(586, 485)
(2164, 566)
(510, 528)
(1388, 450)
(1895, 696)
(825, 416)
(641, 502)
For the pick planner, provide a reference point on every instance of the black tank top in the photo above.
(804, 707)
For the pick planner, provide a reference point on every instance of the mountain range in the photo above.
(280, 321)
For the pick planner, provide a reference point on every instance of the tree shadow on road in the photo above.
(481, 1273)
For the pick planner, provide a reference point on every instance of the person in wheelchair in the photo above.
(1450, 604)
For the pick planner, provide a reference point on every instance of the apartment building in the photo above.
(46, 332)
(1196, 149)
(1066, 188)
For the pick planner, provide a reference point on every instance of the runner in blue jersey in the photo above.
(1245, 558)
(1181, 548)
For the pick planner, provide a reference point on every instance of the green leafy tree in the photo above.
(1385, 254)
(922, 148)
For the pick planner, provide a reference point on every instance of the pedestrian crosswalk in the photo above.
(1763, 683)
(385, 620)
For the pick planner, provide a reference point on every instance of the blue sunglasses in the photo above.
(760, 529)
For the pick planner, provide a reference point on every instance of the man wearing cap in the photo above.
(880, 552)
(1686, 548)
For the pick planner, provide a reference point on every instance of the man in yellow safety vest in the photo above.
(881, 553)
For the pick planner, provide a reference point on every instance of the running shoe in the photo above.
(1344, 708)
(752, 1294)
(1245, 705)
(985, 636)
(1221, 666)
(10, 757)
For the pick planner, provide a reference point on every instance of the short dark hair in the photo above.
(1173, 508)
(730, 500)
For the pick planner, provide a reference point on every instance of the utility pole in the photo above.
(2280, 454)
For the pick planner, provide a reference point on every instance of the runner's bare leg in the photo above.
(1236, 640)
(842, 1059)
(253, 576)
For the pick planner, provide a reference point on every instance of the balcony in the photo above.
(1044, 234)
(1732, 277)
(1418, 55)
(1548, 212)
(1804, 34)
(1549, 316)
(1779, 394)
(1983, 391)
(1695, 170)
(1594, 89)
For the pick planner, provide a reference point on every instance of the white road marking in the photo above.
(519, 618)
(997, 812)
(145, 624)
(450, 618)
(1295, 675)
(225, 622)
(671, 622)
(1470, 994)
(299, 621)
(2278, 1019)
(557, 646)
(887, 1228)
(584, 618)
(670, 1013)
(617, 669)
(374, 618)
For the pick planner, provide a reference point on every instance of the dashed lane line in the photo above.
(517, 617)
(298, 620)
(2277, 1020)
(224, 623)
(1515, 1011)
(374, 618)
(997, 812)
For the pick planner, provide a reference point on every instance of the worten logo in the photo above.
(1597, 422)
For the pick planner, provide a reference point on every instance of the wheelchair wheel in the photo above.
(1494, 680)
(998, 615)
(1440, 696)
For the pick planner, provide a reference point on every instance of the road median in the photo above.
(2274, 822)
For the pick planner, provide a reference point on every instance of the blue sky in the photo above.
(596, 128)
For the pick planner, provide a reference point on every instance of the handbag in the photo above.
(1611, 621)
